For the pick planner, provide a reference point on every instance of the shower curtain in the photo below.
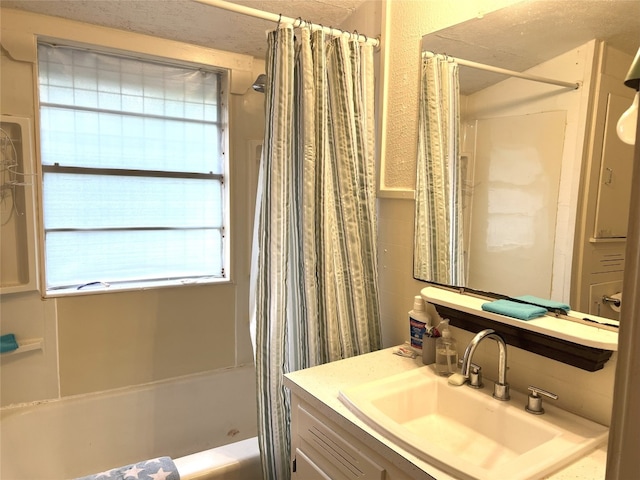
(438, 244)
(314, 277)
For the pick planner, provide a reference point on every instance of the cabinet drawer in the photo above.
(324, 452)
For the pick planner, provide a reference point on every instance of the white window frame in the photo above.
(99, 286)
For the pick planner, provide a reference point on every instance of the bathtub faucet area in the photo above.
(501, 387)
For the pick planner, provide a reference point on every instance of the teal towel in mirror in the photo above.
(521, 311)
(8, 343)
(543, 302)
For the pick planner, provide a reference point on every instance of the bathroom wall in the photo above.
(104, 341)
(407, 21)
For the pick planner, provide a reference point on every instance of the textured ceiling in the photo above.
(517, 37)
(190, 21)
(528, 33)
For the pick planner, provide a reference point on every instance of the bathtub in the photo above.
(205, 422)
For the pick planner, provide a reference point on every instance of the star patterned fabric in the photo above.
(161, 468)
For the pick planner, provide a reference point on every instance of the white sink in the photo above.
(466, 432)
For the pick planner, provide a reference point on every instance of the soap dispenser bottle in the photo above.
(446, 351)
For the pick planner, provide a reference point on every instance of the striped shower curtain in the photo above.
(314, 277)
(438, 242)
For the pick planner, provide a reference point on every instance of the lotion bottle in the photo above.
(446, 351)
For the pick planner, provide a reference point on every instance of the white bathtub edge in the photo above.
(23, 406)
(225, 460)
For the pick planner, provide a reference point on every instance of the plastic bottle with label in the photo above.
(418, 322)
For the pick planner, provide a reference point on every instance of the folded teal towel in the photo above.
(543, 302)
(514, 309)
(8, 343)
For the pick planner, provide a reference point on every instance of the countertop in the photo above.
(319, 386)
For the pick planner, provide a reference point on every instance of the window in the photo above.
(133, 171)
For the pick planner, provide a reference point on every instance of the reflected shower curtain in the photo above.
(438, 248)
(314, 277)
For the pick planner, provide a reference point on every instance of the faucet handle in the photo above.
(534, 401)
(474, 368)
(475, 375)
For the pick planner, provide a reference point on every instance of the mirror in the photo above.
(510, 206)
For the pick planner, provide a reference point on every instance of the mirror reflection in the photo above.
(439, 213)
(522, 187)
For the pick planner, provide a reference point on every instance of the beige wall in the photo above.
(104, 341)
(113, 340)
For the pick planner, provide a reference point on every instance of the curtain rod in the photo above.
(278, 18)
(512, 73)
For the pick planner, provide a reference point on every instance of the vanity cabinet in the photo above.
(329, 441)
(321, 450)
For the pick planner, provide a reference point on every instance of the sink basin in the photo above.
(466, 432)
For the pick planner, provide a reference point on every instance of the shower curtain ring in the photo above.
(355, 32)
(279, 20)
(299, 20)
(379, 39)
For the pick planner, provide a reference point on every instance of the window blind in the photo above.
(133, 169)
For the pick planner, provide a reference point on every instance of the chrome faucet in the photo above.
(501, 387)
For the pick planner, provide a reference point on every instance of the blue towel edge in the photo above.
(544, 303)
(8, 343)
(536, 311)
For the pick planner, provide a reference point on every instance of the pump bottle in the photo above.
(446, 351)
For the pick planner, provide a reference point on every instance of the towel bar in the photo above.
(27, 345)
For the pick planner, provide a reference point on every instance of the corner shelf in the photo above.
(18, 230)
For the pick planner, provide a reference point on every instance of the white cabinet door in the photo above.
(322, 450)
(306, 469)
(330, 452)
(614, 189)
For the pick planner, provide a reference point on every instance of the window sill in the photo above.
(102, 288)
